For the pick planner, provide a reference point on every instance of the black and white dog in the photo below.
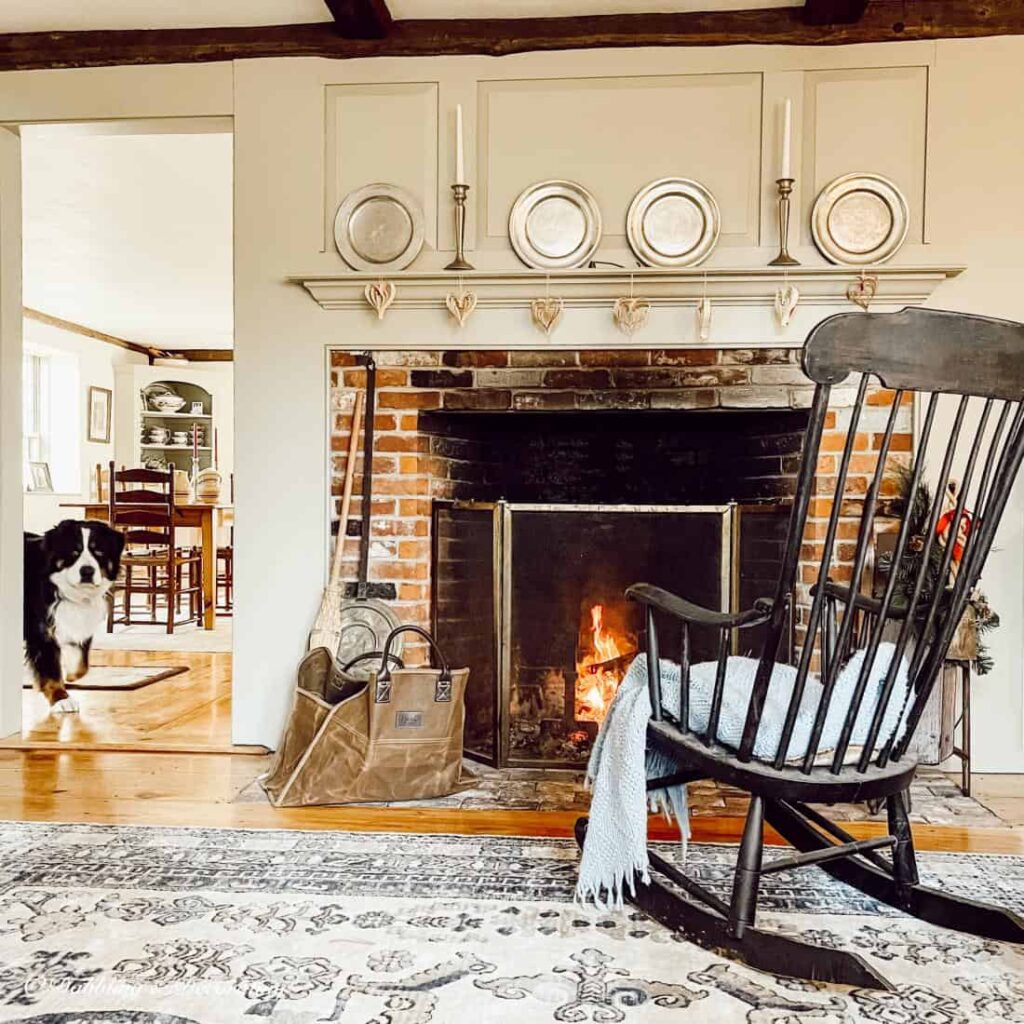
(69, 571)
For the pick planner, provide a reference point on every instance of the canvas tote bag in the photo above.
(396, 737)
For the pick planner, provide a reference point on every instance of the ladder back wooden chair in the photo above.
(141, 506)
(843, 733)
(226, 559)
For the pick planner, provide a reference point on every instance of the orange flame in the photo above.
(599, 670)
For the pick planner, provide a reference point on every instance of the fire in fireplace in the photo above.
(531, 596)
(603, 655)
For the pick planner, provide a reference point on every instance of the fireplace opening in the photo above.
(518, 493)
(540, 523)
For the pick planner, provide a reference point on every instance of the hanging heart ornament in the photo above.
(862, 291)
(380, 295)
(630, 315)
(786, 300)
(704, 318)
(461, 306)
(547, 313)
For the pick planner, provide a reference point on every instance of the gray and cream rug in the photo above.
(120, 925)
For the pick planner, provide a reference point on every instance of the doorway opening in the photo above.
(127, 396)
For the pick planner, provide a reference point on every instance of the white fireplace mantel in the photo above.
(824, 286)
(742, 303)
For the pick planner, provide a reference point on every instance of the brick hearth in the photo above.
(412, 466)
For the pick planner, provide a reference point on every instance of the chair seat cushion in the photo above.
(739, 681)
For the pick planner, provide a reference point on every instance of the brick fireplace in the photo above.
(461, 434)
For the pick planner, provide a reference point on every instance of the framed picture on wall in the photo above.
(101, 402)
(39, 481)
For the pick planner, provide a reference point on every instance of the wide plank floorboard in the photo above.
(162, 755)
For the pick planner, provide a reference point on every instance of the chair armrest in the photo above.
(861, 601)
(655, 597)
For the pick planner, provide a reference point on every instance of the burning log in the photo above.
(615, 665)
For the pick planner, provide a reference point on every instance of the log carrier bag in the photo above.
(396, 737)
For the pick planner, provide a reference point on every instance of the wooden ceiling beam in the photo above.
(88, 332)
(194, 355)
(360, 19)
(883, 21)
(202, 355)
(834, 12)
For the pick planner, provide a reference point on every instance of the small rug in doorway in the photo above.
(117, 677)
(127, 925)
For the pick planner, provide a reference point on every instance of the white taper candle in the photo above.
(787, 132)
(460, 164)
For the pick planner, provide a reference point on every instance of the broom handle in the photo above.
(346, 498)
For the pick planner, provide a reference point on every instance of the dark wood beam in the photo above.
(202, 355)
(361, 19)
(834, 12)
(88, 332)
(883, 21)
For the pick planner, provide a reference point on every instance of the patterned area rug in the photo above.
(193, 926)
(114, 677)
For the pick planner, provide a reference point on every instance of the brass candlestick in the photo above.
(785, 186)
(460, 263)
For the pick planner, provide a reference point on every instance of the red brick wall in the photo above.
(410, 468)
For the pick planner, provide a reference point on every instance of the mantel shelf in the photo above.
(750, 286)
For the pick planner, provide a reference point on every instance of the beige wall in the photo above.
(940, 118)
(904, 110)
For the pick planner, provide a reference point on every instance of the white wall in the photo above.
(95, 361)
(976, 166)
(11, 659)
(938, 117)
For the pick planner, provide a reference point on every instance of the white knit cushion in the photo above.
(739, 681)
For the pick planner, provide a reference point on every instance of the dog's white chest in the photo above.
(74, 622)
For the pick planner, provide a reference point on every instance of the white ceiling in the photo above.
(130, 233)
(71, 15)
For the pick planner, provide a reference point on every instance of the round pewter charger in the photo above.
(379, 227)
(673, 222)
(555, 225)
(860, 219)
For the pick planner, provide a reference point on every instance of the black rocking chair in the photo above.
(981, 362)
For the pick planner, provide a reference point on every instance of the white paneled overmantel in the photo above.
(742, 303)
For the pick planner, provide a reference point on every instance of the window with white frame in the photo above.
(51, 405)
(35, 386)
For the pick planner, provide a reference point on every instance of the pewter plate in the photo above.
(379, 227)
(365, 626)
(555, 225)
(860, 219)
(673, 222)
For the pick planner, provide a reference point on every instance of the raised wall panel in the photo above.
(613, 136)
(385, 133)
(867, 120)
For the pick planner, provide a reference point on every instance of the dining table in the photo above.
(189, 515)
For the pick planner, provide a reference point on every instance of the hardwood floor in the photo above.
(199, 789)
(187, 712)
(143, 757)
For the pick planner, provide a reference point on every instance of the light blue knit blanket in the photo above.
(615, 851)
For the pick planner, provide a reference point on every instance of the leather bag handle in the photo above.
(332, 679)
(443, 687)
(371, 656)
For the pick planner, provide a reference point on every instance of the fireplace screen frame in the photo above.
(502, 513)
